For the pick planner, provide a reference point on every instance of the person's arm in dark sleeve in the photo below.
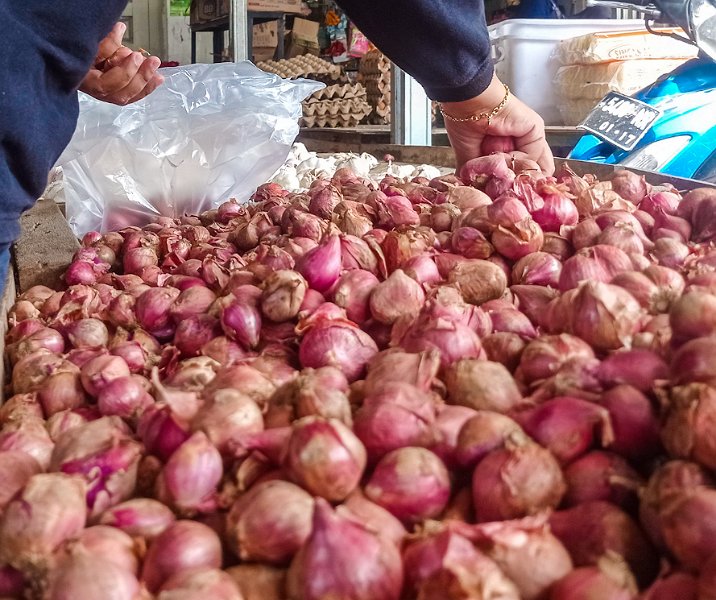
(46, 51)
(443, 44)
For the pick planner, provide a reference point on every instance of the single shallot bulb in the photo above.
(411, 483)
(99, 371)
(48, 511)
(125, 397)
(482, 433)
(87, 333)
(688, 428)
(610, 579)
(104, 455)
(195, 300)
(153, 310)
(16, 469)
(259, 581)
(325, 457)
(681, 585)
(107, 543)
(482, 385)
(200, 583)
(515, 546)
(451, 339)
(337, 343)
(391, 366)
(227, 418)
(638, 368)
(61, 391)
(517, 480)
(519, 239)
(666, 484)
(693, 315)
(270, 522)
(396, 297)
(593, 529)
(566, 426)
(321, 266)
(375, 518)
(189, 480)
(182, 546)
(538, 268)
(478, 280)
(545, 356)
(557, 209)
(42, 339)
(283, 295)
(423, 269)
(398, 415)
(85, 575)
(241, 322)
(601, 476)
(446, 562)
(605, 316)
(634, 423)
(353, 292)
(139, 517)
(343, 559)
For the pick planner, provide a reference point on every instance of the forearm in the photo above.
(45, 52)
(443, 44)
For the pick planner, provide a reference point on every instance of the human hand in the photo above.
(516, 128)
(120, 76)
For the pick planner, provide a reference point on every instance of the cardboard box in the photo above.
(305, 32)
(289, 6)
(303, 38)
(265, 35)
(264, 39)
(203, 11)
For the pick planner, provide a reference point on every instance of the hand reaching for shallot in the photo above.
(515, 129)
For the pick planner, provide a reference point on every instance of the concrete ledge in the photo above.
(45, 246)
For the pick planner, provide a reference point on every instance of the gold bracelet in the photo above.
(483, 115)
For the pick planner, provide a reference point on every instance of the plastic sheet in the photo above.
(209, 133)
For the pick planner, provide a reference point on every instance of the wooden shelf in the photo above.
(220, 25)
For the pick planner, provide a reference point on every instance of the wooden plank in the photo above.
(8, 299)
(45, 246)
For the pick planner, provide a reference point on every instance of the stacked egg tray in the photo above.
(374, 73)
(336, 106)
(308, 66)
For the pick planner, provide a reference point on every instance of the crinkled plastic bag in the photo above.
(211, 132)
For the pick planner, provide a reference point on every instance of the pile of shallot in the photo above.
(491, 386)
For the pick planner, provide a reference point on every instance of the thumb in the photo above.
(109, 45)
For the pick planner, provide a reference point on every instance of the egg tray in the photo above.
(347, 90)
(336, 107)
(342, 120)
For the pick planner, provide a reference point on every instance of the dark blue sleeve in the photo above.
(46, 48)
(443, 44)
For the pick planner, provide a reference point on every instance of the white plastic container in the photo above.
(522, 51)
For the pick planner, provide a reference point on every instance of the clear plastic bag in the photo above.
(209, 133)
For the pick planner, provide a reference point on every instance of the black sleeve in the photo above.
(444, 44)
(45, 51)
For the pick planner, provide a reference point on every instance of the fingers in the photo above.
(534, 144)
(133, 78)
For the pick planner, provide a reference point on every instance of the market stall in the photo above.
(237, 366)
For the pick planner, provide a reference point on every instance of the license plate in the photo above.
(620, 120)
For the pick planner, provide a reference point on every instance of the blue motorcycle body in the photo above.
(687, 99)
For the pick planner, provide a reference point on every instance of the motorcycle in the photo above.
(670, 126)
